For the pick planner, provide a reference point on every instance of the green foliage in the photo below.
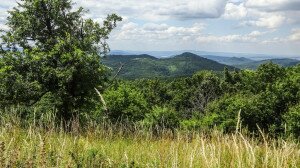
(263, 96)
(51, 49)
(191, 124)
(125, 102)
(161, 118)
(155, 91)
(292, 120)
(194, 93)
(146, 66)
(256, 110)
(269, 72)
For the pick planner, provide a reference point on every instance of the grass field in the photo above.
(112, 146)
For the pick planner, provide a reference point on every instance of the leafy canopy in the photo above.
(51, 49)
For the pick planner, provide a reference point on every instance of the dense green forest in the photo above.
(267, 99)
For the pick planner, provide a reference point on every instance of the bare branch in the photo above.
(119, 70)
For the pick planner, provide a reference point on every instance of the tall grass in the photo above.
(116, 145)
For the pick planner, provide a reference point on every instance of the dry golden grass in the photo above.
(99, 147)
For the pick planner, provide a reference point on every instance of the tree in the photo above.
(207, 89)
(50, 49)
(268, 73)
(227, 76)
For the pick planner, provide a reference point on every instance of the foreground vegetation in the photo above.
(117, 145)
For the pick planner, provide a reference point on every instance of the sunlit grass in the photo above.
(108, 145)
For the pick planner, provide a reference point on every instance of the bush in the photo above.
(162, 118)
(125, 102)
(292, 120)
(191, 124)
(255, 110)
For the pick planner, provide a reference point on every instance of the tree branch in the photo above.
(119, 70)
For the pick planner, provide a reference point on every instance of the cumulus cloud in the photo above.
(270, 21)
(250, 37)
(152, 31)
(274, 5)
(277, 11)
(163, 32)
(158, 9)
(235, 11)
(184, 23)
(194, 9)
(295, 36)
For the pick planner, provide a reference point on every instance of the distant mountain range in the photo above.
(185, 64)
(285, 62)
(229, 60)
(164, 54)
(146, 66)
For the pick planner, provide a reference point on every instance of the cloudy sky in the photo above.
(247, 26)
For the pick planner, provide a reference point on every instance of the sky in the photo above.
(241, 26)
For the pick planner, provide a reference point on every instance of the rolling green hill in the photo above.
(146, 66)
(285, 62)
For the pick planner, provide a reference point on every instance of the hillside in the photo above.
(285, 62)
(146, 66)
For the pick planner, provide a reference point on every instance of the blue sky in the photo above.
(246, 26)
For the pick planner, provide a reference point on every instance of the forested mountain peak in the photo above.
(146, 66)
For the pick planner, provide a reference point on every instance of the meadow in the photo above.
(44, 144)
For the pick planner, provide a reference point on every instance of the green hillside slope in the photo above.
(146, 66)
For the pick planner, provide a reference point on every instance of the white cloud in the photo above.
(247, 38)
(235, 11)
(274, 5)
(256, 33)
(157, 9)
(295, 36)
(152, 31)
(162, 32)
(169, 23)
(277, 11)
(194, 9)
(270, 21)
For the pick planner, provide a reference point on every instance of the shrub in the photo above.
(255, 110)
(292, 120)
(161, 118)
(125, 102)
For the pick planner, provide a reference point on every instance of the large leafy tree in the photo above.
(51, 50)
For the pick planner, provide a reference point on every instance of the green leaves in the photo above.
(59, 53)
(126, 102)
